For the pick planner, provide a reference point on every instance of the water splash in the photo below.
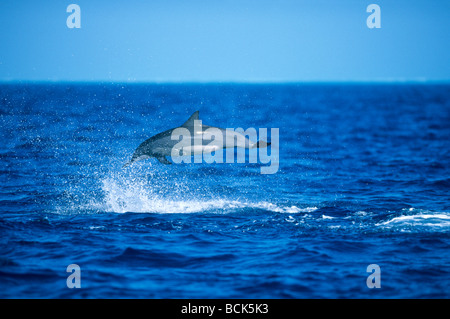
(141, 197)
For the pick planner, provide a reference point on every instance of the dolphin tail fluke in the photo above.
(262, 144)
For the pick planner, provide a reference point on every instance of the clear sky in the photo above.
(225, 40)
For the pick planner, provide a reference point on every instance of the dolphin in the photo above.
(162, 144)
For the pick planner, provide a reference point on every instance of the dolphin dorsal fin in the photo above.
(190, 121)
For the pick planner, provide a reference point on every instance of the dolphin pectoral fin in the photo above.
(163, 160)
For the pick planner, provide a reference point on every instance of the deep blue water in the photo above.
(364, 178)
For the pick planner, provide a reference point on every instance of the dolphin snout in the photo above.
(126, 164)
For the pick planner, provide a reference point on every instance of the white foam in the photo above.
(421, 219)
(362, 213)
(137, 197)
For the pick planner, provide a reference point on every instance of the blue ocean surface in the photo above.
(363, 178)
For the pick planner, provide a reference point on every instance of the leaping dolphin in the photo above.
(162, 144)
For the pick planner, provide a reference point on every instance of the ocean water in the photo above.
(363, 179)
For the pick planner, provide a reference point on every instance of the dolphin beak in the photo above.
(126, 164)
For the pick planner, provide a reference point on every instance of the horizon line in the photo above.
(237, 82)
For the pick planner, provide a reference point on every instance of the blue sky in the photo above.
(226, 40)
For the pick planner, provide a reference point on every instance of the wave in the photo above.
(157, 192)
(418, 219)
